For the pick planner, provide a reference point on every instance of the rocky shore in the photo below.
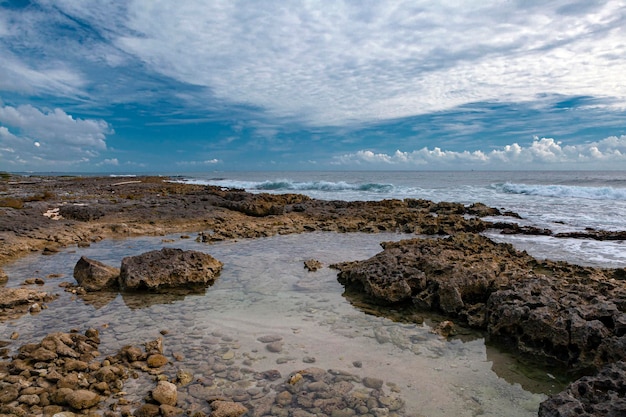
(555, 312)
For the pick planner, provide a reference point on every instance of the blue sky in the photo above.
(157, 85)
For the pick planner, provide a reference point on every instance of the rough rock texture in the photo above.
(603, 394)
(63, 374)
(167, 268)
(93, 275)
(3, 277)
(15, 302)
(165, 393)
(227, 409)
(550, 310)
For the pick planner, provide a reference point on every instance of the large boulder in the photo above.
(93, 275)
(168, 268)
(560, 313)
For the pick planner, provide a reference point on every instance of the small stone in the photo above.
(308, 359)
(275, 347)
(171, 411)
(147, 410)
(357, 364)
(165, 393)
(283, 398)
(270, 338)
(227, 409)
(156, 360)
(31, 399)
(373, 383)
(82, 399)
(228, 355)
(8, 393)
(35, 308)
(15, 335)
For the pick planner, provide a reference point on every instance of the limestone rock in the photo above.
(603, 394)
(12, 297)
(168, 268)
(312, 265)
(82, 398)
(93, 275)
(165, 393)
(559, 313)
(227, 409)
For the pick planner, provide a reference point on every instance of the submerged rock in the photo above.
(167, 268)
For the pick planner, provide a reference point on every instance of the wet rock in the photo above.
(275, 347)
(373, 383)
(556, 312)
(147, 410)
(227, 409)
(168, 268)
(312, 265)
(603, 394)
(165, 393)
(270, 338)
(93, 275)
(156, 360)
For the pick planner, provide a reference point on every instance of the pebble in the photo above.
(275, 347)
(270, 338)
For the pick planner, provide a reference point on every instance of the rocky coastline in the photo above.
(554, 312)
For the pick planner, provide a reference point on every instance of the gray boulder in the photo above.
(168, 268)
(93, 275)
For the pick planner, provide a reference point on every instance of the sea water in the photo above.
(264, 289)
(562, 201)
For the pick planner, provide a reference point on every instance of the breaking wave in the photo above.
(564, 191)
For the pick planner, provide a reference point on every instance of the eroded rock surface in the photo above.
(550, 310)
(603, 394)
(167, 268)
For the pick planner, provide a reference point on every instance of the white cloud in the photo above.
(196, 163)
(44, 139)
(608, 153)
(334, 64)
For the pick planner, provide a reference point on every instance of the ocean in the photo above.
(562, 201)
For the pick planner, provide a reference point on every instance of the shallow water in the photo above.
(265, 290)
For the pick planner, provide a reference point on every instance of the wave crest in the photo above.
(564, 191)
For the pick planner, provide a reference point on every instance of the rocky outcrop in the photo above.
(168, 268)
(81, 212)
(553, 311)
(93, 275)
(3, 277)
(603, 394)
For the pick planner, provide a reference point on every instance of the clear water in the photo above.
(265, 289)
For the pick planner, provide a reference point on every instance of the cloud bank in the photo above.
(49, 139)
(609, 153)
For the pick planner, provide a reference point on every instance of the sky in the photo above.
(197, 86)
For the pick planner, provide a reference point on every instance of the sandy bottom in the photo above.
(265, 290)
